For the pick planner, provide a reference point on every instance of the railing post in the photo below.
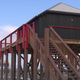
(25, 47)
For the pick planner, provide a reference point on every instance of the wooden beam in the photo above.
(72, 41)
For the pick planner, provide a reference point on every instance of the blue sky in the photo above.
(14, 13)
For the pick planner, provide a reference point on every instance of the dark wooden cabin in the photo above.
(60, 15)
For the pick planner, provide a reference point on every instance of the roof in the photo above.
(62, 7)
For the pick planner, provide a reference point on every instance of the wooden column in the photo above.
(41, 72)
(25, 64)
(46, 43)
(34, 64)
(6, 66)
(34, 60)
(1, 67)
(19, 66)
(13, 65)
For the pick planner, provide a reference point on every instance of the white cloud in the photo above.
(6, 30)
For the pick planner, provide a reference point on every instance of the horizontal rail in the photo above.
(11, 33)
(65, 27)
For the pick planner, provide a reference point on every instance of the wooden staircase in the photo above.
(57, 59)
(64, 57)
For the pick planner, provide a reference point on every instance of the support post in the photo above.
(34, 61)
(1, 67)
(6, 66)
(19, 66)
(6, 62)
(46, 43)
(25, 64)
(25, 47)
(41, 72)
(13, 66)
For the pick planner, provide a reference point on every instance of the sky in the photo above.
(14, 13)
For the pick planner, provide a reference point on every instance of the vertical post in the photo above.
(1, 56)
(19, 55)
(25, 47)
(6, 62)
(14, 69)
(2, 67)
(46, 43)
(34, 66)
(41, 72)
(19, 65)
(25, 64)
(13, 66)
(6, 66)
(13, 59)
(34, 60)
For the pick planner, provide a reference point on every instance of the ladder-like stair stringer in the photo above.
(64, 57)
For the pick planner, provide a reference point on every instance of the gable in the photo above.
(64, 8)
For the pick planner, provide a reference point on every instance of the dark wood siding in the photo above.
(58, 19)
